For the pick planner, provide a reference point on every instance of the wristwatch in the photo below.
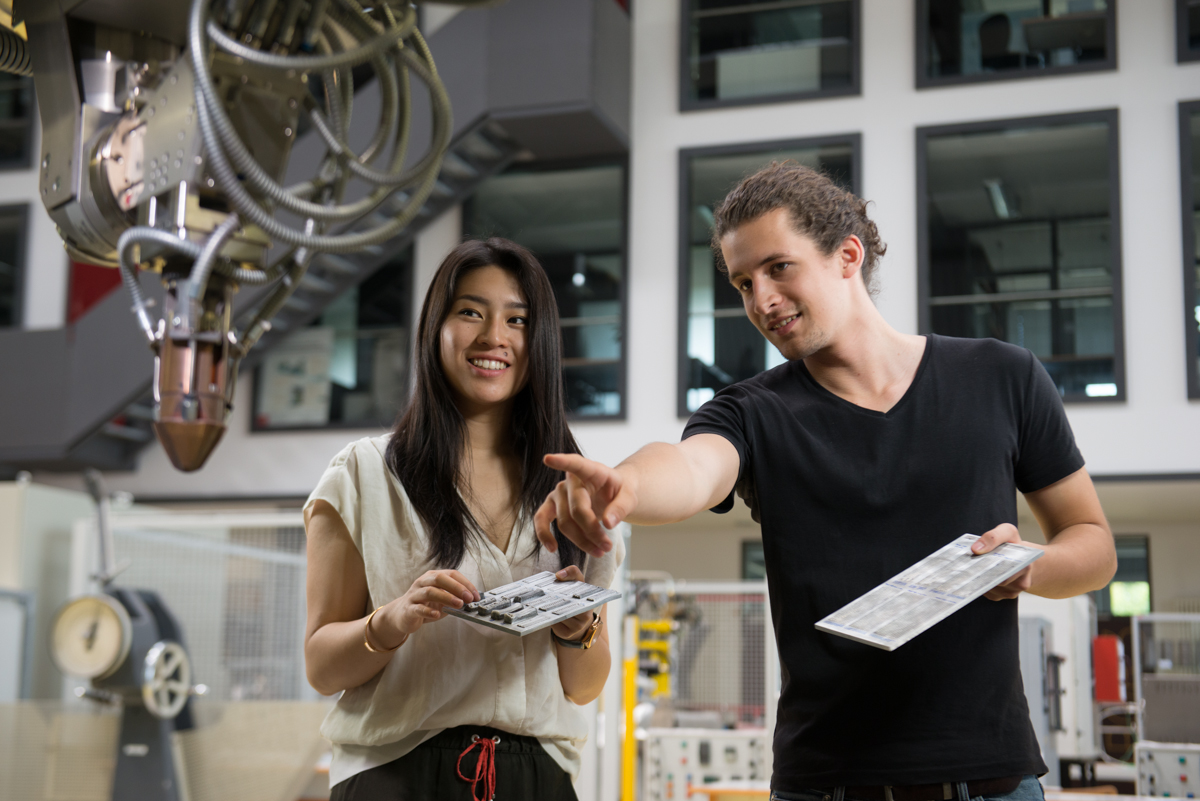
(586, 639)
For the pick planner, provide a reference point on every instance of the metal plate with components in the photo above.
(1167, 770)
(532, 604)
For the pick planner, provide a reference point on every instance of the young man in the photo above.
(868, 450)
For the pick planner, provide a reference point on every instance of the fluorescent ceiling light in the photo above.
(1100, 390)
(1001, 202)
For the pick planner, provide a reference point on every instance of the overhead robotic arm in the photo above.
(166, 137)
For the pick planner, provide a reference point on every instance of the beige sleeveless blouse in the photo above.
(450, 672)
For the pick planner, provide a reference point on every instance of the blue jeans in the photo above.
(1030, 789)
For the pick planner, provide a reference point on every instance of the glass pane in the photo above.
(12, 233)
(976, 37)
(751, 49)
(1193, 25)
(1195, 256)
(1022, 215)
(350, 367)
(1072, 338)
(573, 220)
(1129, 591)
(723, 347)
(16, 105)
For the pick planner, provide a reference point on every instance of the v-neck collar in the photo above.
(833, 397)
(510, 549)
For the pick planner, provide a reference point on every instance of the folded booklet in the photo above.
(927, 593)
(531, 604)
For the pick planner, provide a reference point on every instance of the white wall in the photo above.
(1155, 431)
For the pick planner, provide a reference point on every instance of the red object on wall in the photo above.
(1108, 667)
(90, 284)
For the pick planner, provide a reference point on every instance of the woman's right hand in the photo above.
(424, 602)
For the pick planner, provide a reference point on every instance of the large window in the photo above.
(349, 368)
(573, 219)
(16, 121)
(752, 51)
(1189, 141)
(1187, 27)
(13, 221)
(1019, 238)
(974, 40)
(718, 344)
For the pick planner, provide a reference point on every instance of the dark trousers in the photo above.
(430, 771)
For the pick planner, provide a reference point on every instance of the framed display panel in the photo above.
(969, 41)
(1019, 238)
(736, 53)
(350, 368)
(14, 225)
(572, 216)
(718, 345)
(1187, 30)
(1189, 160)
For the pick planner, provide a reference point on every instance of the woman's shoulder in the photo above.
(366, 452)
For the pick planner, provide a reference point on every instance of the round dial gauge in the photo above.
(91, 636)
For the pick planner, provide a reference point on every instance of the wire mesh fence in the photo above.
(717, 651)
(236, 585)
(1167, 676)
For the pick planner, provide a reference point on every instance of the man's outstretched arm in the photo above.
(661, 483)
(1080, 554)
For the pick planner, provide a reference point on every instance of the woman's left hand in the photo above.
(572, 628)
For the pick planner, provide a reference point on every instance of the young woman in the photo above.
(403, 526)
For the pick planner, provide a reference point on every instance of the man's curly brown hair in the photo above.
(820, 209)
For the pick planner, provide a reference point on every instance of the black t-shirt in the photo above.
(847, 498)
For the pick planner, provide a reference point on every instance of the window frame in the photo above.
(683, 243)
(1187, 206)
(1109, 116)
(622, 161)
(924, 81)
(686, 103)
(1183, 53)
(342, 425)
(20, 211)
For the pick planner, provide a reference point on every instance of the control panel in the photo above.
(1167, 770)
(680, 762)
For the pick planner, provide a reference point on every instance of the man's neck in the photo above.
(869, 363)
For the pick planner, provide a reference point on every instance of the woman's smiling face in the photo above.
(484, 339)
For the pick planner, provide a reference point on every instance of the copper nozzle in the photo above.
(188, 444)
(193, 376)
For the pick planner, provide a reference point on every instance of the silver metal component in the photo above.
(104, 83)
(154, 136)
(122, 156)
(555, 604)
(551, 602)
(528, 613)
(166, 679)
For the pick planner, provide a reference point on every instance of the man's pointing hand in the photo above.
(593, 497)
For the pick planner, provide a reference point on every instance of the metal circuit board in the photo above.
(534, 603)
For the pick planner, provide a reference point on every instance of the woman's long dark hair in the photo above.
(429, 439)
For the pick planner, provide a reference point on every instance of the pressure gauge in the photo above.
(91, 636)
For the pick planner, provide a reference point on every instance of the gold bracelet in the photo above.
(367, 637)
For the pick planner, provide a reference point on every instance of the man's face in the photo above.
(792, 292)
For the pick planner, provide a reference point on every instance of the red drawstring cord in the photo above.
(485, 767)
